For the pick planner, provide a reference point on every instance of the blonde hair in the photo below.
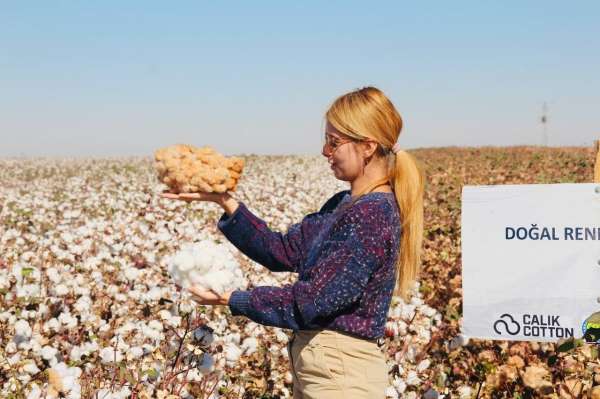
(368, 113)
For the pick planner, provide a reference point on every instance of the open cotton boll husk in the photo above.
(188, 169)
(207, 265)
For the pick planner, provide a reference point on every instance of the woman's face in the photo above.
(342, 154)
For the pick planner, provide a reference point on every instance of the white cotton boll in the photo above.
(173, 321)
(29, 314)
(123, 393)
(458, 341)
(427, 310)
(154, 294)
(132, 273)
(31, 368)
(412, 378)
(28, 290)
(249, 345)
(424, 334)
(66, 237)
(411, 353)
(135, 295)
(416, 300)
(194, 375)
(4, 281)
(216, 281)
(14, 359)
(97, 276)
(53, 275)
(66, 380)
(51, 325)
(232, 353)
(61, 290)
(408, 312)
(274, 349)
(207, 364)
(5, 316)
(164, 314)
(35, 392)
(151, 333)
(143, 228)
(135, 352)
(281, 336)
(48, 353)
(186, 307)
(423, 365)
(184, 261)
(203, 336)
(68, 320)
(464, 392)
(76, 249)
(119, 344)
(22, 330)
(164, 236)
(399, 384)
(126, 327)
(233, 338)
(284, 352)
(156, 325)
(109, 355)
(391, 393)
(88, 348)
(83, 304)
(194, 277)
(75, 353)
(104, 393)
(207, 265)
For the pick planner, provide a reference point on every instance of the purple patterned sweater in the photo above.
(344, 257)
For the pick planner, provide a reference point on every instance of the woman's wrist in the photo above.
(228, 203)
(225, 298)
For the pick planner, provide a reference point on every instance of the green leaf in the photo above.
(151, 373)
(26, 271)
(569, 344)
(566, 345)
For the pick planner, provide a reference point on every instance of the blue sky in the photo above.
(113, 78)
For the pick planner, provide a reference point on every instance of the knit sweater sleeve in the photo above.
(274, 250)
(334, 284)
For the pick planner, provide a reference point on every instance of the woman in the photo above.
(350, 257)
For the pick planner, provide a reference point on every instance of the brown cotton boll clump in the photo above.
(188, 169)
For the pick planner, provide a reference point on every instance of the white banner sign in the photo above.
(531, 261)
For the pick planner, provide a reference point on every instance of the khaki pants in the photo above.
(326, 364)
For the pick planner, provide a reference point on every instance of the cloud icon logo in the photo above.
(508, 324)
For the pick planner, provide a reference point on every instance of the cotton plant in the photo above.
(84, 269)
(208, 265)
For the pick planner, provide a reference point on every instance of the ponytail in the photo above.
(408, 182)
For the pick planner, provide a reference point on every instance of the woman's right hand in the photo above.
(218, 198)
(227, 202)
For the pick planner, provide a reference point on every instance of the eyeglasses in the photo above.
(334, 142)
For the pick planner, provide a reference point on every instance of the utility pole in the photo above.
(544, 120)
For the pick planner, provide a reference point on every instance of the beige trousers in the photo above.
(326, 364)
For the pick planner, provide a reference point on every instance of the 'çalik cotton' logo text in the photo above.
(532, 326)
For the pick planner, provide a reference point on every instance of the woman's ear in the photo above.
(370, 148)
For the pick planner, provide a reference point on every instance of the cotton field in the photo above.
(90, 256)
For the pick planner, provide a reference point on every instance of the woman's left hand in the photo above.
(208, 297)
